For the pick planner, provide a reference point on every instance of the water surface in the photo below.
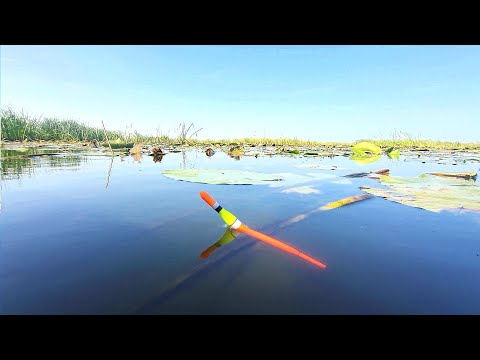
(92, 235)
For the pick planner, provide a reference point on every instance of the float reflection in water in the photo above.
(227, 237)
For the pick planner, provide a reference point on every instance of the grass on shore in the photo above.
(384, 144)
(17, 126)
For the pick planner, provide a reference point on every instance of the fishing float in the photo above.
(234, 223)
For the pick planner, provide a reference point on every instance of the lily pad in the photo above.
(429, 193)
(363, 148)
(393, 154)
(243, 177)
(224, 177)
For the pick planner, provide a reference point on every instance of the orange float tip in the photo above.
(207, 198)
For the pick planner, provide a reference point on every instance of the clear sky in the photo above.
(323, 93)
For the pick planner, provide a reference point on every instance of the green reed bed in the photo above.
(18, 126)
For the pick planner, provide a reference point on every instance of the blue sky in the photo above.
(323, 93)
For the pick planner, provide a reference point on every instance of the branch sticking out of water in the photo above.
(105, 131)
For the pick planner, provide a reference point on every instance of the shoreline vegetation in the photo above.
(20, 127)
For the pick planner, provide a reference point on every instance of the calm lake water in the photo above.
(88, 235)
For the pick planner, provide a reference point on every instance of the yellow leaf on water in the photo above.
(366, 147)
(332, 205)
(345, 201)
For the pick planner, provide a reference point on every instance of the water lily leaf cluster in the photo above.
(429, 192)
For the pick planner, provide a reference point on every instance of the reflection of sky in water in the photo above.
(70, 244)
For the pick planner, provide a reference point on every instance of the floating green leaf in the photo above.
(429, 193)
(227, 177)
(241, 177)
(393, 154)
(294, 151)
(363, 148)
